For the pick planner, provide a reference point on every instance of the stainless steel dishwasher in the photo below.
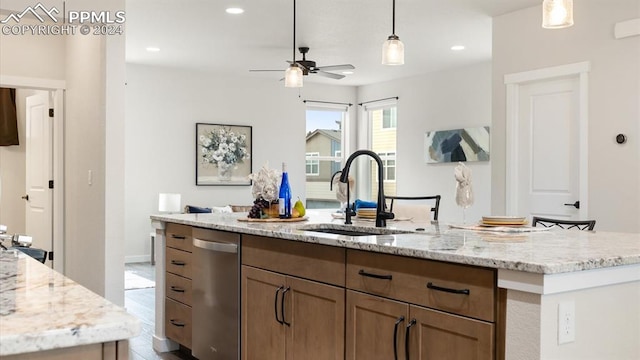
(216, 280)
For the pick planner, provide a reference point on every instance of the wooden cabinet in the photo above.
(285, 316)
(396, 312)
(178, 312)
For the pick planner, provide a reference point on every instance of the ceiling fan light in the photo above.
(557, 14)
(293, 76)
(393, 51)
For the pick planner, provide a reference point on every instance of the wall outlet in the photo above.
(566, 322)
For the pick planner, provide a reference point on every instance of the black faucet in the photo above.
(381, 214)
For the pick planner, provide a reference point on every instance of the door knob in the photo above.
(575, 204)
(26, 197)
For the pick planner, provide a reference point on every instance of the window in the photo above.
(383, 124)
(389, 162)
(323, 154)
(313, 164)
(389, 118)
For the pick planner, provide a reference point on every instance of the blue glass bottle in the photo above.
(284, 201)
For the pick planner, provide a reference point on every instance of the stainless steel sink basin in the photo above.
(351, 230)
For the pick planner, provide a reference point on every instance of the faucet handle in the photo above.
(387, 215)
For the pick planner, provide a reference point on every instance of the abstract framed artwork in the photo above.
(223, 154)
(468, 144)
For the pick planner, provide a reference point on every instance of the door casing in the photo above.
(513, 83)
(57, 88)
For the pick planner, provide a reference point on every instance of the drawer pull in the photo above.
(177, 289)
(395, 337)
(376, 276)
(178, 263)
(177, 323)
(453, 291)
(406, 339)
(179, 237)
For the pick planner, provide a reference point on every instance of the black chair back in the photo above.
(434, 209)
(564, 224)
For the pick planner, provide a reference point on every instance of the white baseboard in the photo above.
(162, 345)
(137, 259)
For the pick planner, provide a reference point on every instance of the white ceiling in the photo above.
(201, 35)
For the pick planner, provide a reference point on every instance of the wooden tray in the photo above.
(304, 218)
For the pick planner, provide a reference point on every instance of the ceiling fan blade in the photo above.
(329, 75)
(337, 67)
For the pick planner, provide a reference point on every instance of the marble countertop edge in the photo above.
(547, 252)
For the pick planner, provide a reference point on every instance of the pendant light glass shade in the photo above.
(557, 14)
(393, 48)
(393, 51)
(293, 76)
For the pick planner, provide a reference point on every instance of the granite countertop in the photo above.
(40, 309)
(543, 252)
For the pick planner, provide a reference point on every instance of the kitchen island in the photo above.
(595, 275)
(45, 315)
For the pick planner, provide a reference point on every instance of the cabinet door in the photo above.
(439, 335)
(315, 313)
(371, 321)
(263, 337)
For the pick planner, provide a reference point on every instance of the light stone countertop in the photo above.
(546, 252)
(41, 309)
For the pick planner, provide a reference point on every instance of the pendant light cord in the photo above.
(393, 20)
(294, 33)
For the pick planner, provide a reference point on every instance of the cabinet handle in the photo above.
(406, 339)
(282, 306)
(376, 276)
(177, 323)
(177, 289)
(179, 237)
(395, 337)
(453, 291)
(178, 263)
(275, 305)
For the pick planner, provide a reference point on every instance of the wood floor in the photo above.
(141, 303)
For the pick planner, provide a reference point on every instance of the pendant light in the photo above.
(557, 14)
(393, 48)
(293, 75)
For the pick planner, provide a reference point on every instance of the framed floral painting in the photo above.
(223, 154)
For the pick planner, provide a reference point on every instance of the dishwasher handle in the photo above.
(216, 246)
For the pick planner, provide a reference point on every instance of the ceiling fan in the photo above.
(309, 66)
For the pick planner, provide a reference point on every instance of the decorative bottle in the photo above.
(284, 200)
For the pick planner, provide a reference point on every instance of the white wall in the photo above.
(162, 107)
(13, 171)
(520, 44)
(444, 100)
(36, 56)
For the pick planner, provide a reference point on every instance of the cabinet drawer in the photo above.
(177, 324)
(310, 261)
(178, 288)
(424, 282)
(179, 237)
(178, 262)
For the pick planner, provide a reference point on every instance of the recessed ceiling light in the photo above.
(234, 10)
(347, 72)
(457, 47)
(153, 49)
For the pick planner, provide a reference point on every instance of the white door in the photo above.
(548, 148)
(39, 170)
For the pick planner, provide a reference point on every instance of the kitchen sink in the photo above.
(350, 230)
